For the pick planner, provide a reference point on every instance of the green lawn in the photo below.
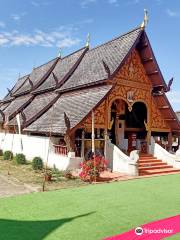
(89, 212)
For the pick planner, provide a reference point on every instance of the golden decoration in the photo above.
(145, 20)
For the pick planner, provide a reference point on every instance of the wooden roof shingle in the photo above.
(63, 68)
(36, 108)
(76, 105)
(37, 76)
(17, 105)
(91, 69)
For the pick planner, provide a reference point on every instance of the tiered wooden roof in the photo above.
(77, 83)
(76, 105)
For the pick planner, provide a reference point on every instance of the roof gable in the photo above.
(76, 105)
(37, 76)
(149, 61)
(92, 68)
(64, 67)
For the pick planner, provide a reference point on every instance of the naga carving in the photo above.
(68, 138)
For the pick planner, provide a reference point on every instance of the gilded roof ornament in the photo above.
(145, 21)
(88, 40)
(60, 53)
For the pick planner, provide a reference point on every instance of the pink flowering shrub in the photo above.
(92, 168)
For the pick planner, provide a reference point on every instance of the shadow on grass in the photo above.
(32, 230)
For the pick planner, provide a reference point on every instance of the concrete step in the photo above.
(152, 164)
(154, 167)
(150, 161)
(147, 157)
(149, 165)
(159, 171)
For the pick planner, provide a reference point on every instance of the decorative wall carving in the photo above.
(157, 119)
(99, 115)
(133, 69)
(121, 92)
(131, 78)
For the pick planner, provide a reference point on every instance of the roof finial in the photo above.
(34, 65)
(60, 53)
(88, 40)
(145, 21)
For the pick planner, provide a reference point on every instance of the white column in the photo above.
(82, 145)
(93, 135)
(170, 140)
(105, 143)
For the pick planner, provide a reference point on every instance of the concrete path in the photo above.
(10, 187)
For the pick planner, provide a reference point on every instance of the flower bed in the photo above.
(91, 168)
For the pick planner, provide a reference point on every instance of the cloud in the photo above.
(131, 2)
(86, 21)
(17, 17)
(67, 42)
(63, 37)
(85, 3)
(112, 1)
(2, 24)
(159, 2)
(3, 40)
(35, 4)
(172, 13)
(39, 4)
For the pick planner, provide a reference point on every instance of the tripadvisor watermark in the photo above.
(140, 231)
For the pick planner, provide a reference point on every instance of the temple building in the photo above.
(113, 92)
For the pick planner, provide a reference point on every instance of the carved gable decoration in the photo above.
(99, 116)
(130, 94)
(157, 118)
(133, 70)
(131, 85)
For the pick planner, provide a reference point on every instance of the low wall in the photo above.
(165, 156)
(64, 162)
(120, 162)
(32, 146)
(37, 146)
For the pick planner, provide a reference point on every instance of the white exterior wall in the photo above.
(120, 162)
(63, 162)
(37, 146)
(33, 146)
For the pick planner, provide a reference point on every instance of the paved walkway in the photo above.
(11, 187)
(107, 176)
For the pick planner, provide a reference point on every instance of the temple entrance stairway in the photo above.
(150, 165)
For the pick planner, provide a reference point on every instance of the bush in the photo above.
(1, 152)
(8, 155)
(20, 158)
(37, 163)
(92, 168)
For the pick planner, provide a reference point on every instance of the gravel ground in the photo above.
(10, 187)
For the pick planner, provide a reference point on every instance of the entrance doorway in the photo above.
(117, 123)
(135, 127)
(128, 127)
